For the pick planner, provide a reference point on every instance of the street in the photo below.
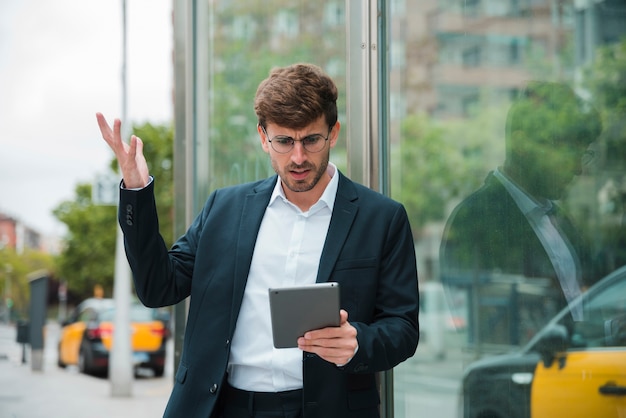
(59, 393)
(424, 386)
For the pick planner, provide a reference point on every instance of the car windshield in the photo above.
(138, 313)
(603, 318)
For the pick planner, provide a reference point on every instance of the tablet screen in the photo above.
(296, 310)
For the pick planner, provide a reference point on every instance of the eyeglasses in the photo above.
(282, 144)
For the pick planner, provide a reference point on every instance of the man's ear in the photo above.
(264, 140)
(334, 134)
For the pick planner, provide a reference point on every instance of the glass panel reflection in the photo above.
(508, 144)
(246, 40)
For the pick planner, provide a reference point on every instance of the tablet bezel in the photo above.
(295, 310)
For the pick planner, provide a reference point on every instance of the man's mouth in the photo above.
(299, 174)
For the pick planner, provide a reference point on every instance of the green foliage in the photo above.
(241, 37)
(14, 270)
(438, 162)
(605, 79)
(425, 169)
(89, 255)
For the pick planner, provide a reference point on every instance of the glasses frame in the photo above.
(293, 141)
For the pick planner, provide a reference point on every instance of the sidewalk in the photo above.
(58, 393)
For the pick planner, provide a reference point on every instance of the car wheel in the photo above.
(84, 360)
(59, 361)
(158, 371)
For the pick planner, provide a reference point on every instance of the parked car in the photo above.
(87, 337)
(570, 368)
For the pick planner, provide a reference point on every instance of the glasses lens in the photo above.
(282, 144)
(311, 143)
(314, 143)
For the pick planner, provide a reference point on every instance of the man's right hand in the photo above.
(129, 156)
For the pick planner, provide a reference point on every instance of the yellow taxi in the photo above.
(87, 337)
(574, 367)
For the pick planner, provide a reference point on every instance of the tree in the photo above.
(89, 255)
(268, 34)
(605, 79)
(14, 269)
(439, 162)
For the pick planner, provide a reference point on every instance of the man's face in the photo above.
(300, 169)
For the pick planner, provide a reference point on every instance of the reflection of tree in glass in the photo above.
(250, 38)
(509, 244)
(605, 79)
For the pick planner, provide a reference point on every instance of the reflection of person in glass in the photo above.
(508, 242)
(307, 224)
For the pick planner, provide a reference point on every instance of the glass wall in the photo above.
(501, 110)
(232, 45)
(497, 123)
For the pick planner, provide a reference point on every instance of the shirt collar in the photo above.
(328, 197)
(524, 201)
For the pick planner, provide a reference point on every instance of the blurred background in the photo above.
(425, 88)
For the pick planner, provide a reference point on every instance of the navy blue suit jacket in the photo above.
(369, 251)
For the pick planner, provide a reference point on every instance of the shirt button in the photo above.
(213, 388)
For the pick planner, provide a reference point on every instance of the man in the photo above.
(509, 241)
(307, 224)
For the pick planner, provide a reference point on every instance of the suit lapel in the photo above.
(344, 213)
(251, 216)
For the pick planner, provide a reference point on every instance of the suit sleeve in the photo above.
(162, 277)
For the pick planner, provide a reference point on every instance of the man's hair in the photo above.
(295, 96)
(550, 112)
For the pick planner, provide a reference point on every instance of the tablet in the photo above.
(298, 309)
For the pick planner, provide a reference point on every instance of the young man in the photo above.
(307, 224)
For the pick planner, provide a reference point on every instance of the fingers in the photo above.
(111, 136)
(333, 344)
(129, 156)
(105, 129)
(343, 317)
(134, 147)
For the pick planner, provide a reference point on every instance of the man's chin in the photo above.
(299, 187)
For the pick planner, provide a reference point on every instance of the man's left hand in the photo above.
(334, 344)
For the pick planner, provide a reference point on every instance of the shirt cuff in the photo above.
(123, 186)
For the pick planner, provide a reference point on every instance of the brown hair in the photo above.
(296, 96)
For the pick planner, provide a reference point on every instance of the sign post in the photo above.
(105, 191)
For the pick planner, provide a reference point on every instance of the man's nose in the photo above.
(298, 153)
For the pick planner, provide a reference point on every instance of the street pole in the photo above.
(121, 371)
(8, 298)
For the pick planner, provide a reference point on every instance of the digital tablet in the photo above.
(298, 309)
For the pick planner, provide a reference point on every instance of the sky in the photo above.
(60, 63)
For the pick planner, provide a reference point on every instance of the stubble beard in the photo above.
(299, 186)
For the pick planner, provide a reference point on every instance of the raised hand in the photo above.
(129, 156)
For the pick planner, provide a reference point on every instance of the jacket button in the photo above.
(129, 215)
(213, 388)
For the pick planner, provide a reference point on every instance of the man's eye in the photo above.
(311, 139)
(283, 140)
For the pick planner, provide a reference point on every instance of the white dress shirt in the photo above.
(563, 258)
(287, 253)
